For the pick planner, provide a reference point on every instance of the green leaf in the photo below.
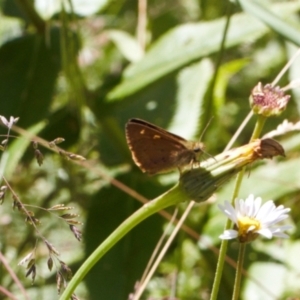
(29, 68)
(277, 23)
(282, 276)
(126, 44)
(226, 71)
(193, 83)
(189, 42)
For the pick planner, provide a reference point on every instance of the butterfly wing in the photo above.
(153, 149)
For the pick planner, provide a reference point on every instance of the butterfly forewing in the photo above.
(156, 150)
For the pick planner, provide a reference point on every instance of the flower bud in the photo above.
(268, 100)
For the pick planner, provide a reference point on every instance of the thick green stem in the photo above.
(258, 127)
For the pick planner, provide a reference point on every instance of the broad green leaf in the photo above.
(82, 8)
(282, 279)
(127, 44)
(277, 23)
(29, 68)
(226, 71)
(272, 278)
(193, 82)
(189, 42)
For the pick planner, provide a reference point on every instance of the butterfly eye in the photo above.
(197, 149)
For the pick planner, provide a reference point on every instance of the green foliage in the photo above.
(81, 75)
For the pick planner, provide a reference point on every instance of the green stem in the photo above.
(224, 244)
(221, 259)
(238, 275)
(172, 197)
(219, 269)
(258, 127)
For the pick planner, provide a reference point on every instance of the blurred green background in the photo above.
(80, 72)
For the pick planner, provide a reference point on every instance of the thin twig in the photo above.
(142, 23)
(157, 248)
(285, 68)
(14, 277)
(163, 251)
(239, 130)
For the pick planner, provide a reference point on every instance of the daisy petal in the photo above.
(229, 234)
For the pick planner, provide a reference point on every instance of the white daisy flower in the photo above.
(251, 219)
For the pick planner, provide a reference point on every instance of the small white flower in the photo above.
(10, 123)
(251, 219)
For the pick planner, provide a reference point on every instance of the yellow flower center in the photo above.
(247, 229)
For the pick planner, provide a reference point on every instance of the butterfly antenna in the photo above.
(205, 128)
(211, 156)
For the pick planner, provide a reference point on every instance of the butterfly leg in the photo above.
(180, 170)
(194, 163)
